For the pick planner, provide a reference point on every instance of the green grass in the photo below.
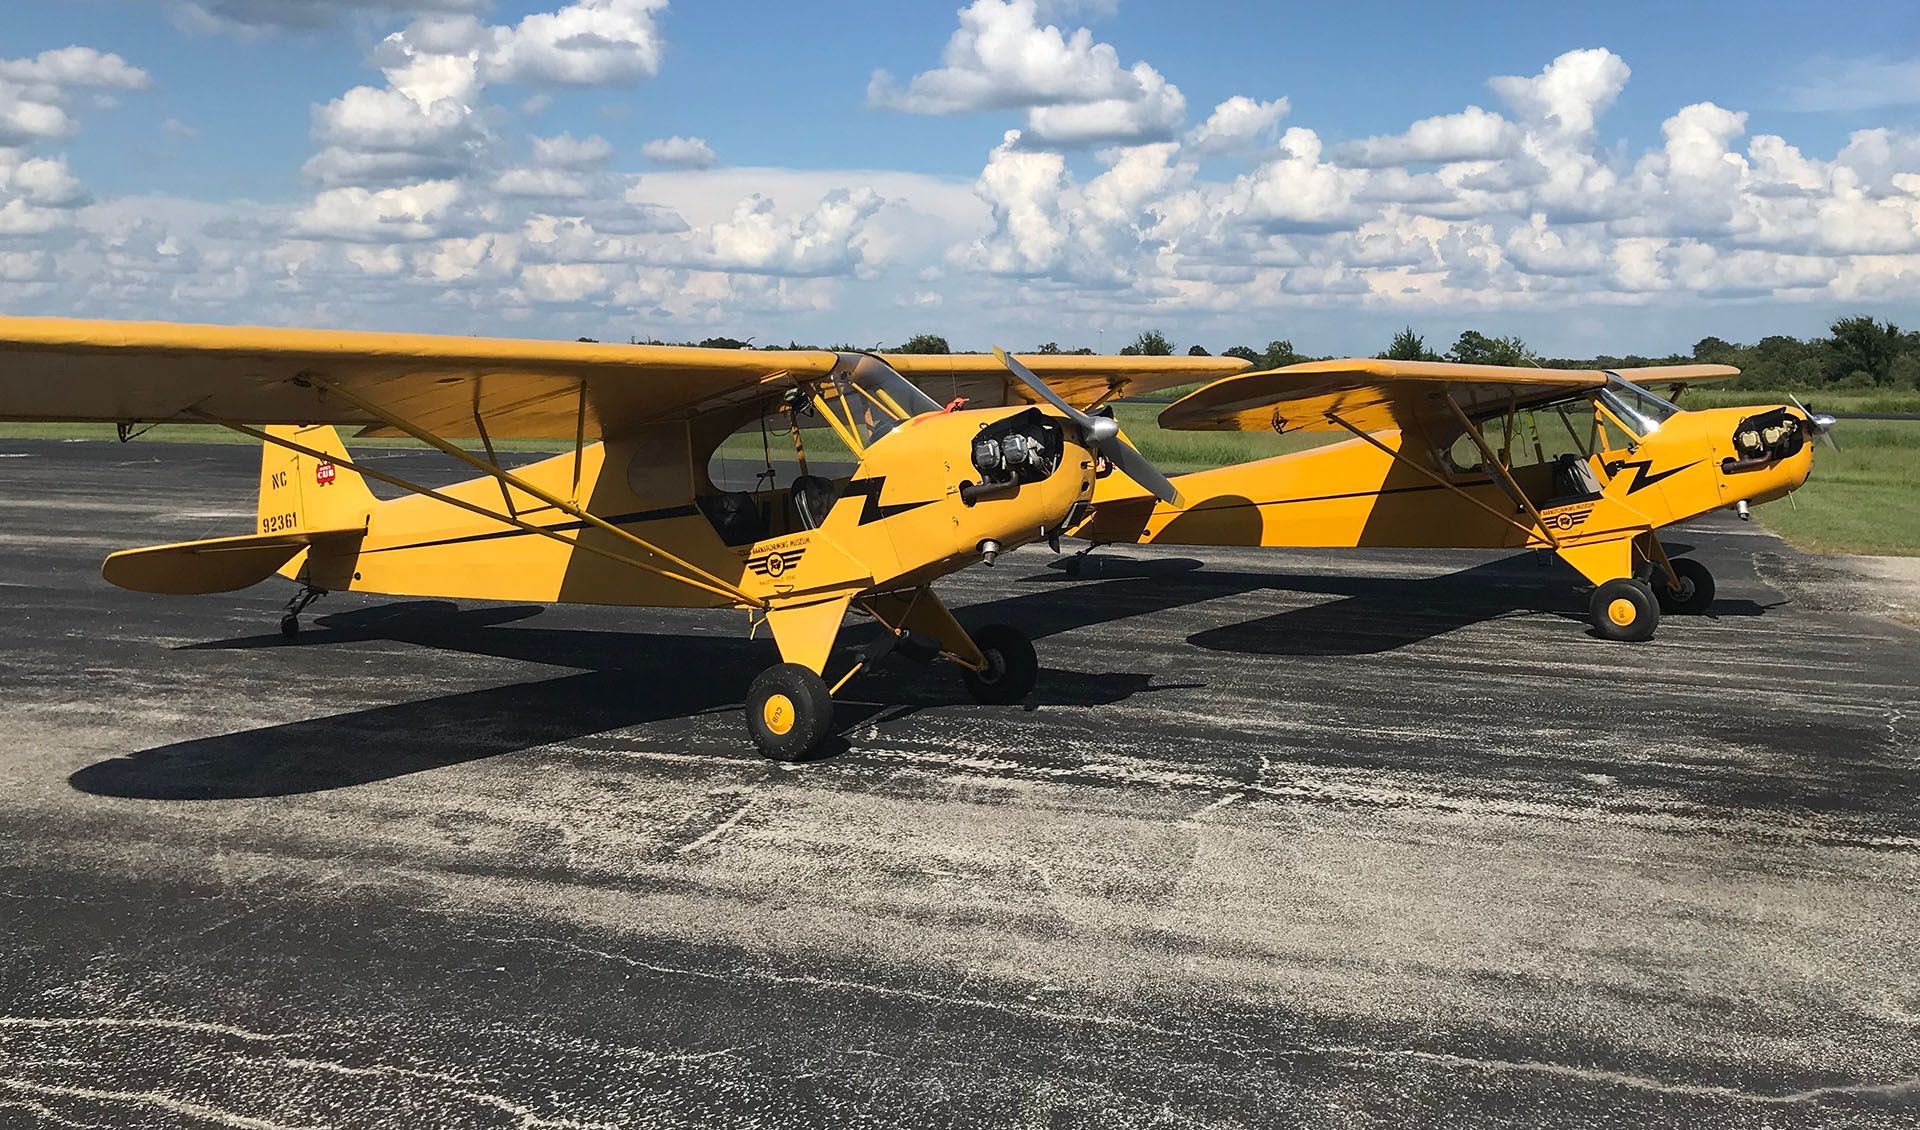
(1821, 400)
(1864, 498)
(1179, 452)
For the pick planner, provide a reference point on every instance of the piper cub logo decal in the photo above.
(775, 562)
(1568, 519)
(323, 474)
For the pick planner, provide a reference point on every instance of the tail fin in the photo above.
(300, 494)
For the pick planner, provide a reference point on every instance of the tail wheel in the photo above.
(1695, 592)
(1625, 610)
(1012, 667)
(789, 711)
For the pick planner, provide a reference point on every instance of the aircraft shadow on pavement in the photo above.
(625, 679)
(1371, 614)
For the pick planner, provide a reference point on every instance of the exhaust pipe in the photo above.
(1740, 508)
(989, 549)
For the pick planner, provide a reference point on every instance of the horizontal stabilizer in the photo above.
(217, 565)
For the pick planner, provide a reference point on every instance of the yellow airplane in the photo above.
(1585, 463)
(629, 516)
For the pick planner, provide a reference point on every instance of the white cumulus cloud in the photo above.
(1237, 123)
(1075, 90)
(1471, 135)
(413, 212)
(680, 152)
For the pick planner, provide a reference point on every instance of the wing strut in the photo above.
(507, 478)
(1500, 469)
(727, 591)
(1436, 477)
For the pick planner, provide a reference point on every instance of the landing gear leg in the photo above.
(290, 619)
(1083, 563)
(790, 706)
(1623, 606)
(997, 661)
(1681, 584)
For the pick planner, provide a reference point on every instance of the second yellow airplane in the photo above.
(1587, 464)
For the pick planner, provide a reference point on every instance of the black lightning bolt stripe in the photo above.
(1642, 476)
(873, 511)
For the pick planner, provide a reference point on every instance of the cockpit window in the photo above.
(1637, 409)
(869, 398)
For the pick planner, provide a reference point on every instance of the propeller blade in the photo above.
(1040, 389)
(1821, 423)
(1102, 432)
(1128, 460)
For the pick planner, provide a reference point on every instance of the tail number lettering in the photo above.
(275, 523)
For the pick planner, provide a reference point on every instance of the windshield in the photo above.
(871, 398)
(1637, 408)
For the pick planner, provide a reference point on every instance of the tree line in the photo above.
(1857, 352)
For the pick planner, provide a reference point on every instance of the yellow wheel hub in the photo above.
(1622, 611)
(778, 713)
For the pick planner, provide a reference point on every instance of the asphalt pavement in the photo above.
(1313, 839)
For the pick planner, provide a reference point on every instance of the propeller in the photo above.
(1821, 424)
(1102, 434)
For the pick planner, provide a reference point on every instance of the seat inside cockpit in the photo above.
(811, 439)
(1558, 453)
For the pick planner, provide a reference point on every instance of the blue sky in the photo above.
(228, 172)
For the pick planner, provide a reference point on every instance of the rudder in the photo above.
(299, 493)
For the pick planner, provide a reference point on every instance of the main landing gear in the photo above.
(1693, 592)
(1624, 609)
(1629, 608)
(790, 706)
(290, 618)
(1012, 667)
(789, 711)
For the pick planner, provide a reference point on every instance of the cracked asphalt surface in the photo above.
(1294, 839)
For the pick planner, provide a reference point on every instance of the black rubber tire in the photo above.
(289, 626)
(1624, 595)
(1012, 667)
(1696, 583)
(806, 712)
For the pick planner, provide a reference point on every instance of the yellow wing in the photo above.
(139, 372)
(1082, 380)
(1376, 395)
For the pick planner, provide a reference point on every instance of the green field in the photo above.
(1834, 400)
(1864, 498)
(1179, 452)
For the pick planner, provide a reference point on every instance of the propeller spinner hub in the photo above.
(1100, 429)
